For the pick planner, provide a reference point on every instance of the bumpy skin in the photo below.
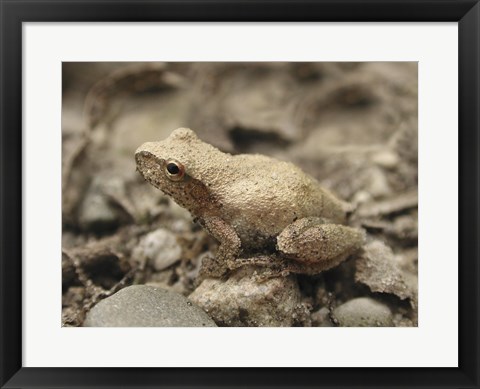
(252, 203)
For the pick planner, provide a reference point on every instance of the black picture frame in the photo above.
(14, 13)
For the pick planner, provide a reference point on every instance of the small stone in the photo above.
(160, 247)
(243, 301)
(401, 321)
(363, 312)
(377, 269)
(97, 211)
(404, 228)
(321, 318)
(146, 306)
(386, 158)
(378, 185)
(181, 225)
(361, 197)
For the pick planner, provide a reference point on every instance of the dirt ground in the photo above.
(352, 126)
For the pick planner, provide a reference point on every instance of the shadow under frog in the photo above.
(262, 211)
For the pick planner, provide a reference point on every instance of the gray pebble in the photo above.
(321, 318)
(147, 306)
(96, 211)
(363, 312)
(160, 247)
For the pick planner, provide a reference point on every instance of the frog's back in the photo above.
(265, 195)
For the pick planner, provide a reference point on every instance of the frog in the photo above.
(261, 210)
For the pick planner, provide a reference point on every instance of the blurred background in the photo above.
(353, 126)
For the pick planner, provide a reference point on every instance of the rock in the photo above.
(400, 320)
(97, 212)
(160, 247)
(377, 184)
(244, 301)
(321, 318)
(377, 269)
(386, 158)
(405, 228)
(361, 197)
(148, 201)
(146, 306)
(363, 312)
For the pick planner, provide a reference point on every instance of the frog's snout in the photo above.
(147, 147)
(140, 157)
(146, 160)
(146, 155)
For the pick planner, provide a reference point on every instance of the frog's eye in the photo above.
(174, 170)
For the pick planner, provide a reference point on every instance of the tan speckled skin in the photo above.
(244, 201)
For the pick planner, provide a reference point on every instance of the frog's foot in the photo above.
(227, 237)
(261, 260)
(269, 273)
(216, 267)
(271, 266)
(315, 244)
(211, 268)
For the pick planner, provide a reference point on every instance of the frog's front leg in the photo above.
(315, 244)
(227, 251)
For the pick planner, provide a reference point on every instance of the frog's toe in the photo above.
(211, 268)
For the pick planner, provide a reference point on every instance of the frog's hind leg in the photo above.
(315, 244)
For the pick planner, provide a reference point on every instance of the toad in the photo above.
(260, 210)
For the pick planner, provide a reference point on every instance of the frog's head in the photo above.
(178, 166)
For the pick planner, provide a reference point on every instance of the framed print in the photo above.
(245, 194)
